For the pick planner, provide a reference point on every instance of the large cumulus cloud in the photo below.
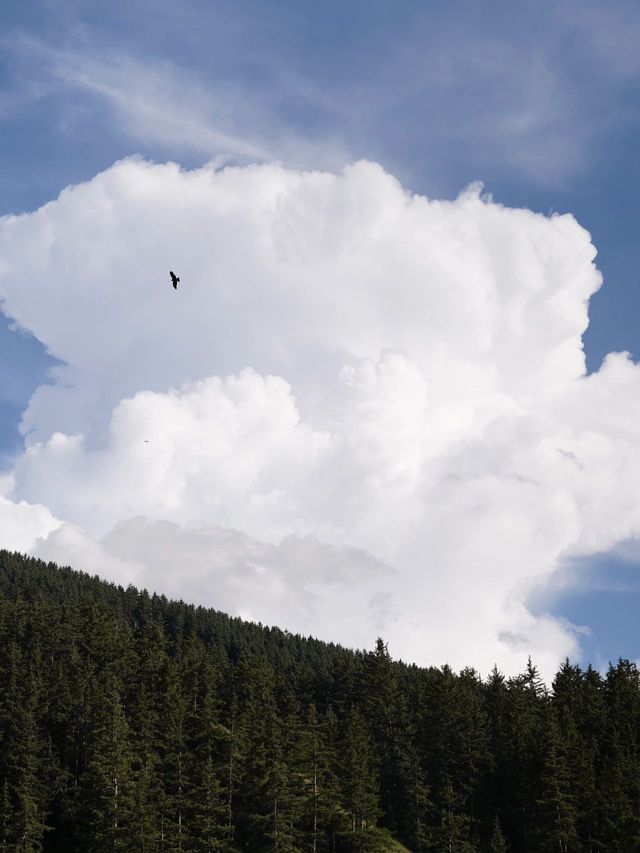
(363, 411)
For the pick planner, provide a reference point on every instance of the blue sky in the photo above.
(536, 100)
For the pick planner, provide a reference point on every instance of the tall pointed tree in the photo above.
(497, 843)
(108, 781)
(360, 778)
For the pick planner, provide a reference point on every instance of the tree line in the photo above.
(129, 722)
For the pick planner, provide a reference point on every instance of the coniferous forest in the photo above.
(129, 722)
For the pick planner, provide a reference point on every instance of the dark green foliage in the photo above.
(556, 803)
(360, 779)
(133, 723)
(497, 843)
(108, 783)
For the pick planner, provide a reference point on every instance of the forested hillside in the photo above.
(132, 723)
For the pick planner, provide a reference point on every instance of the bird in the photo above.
(174, 279)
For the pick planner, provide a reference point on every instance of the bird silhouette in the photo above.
(174, 279)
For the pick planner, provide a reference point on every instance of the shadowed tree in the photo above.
(108, 782)
(498, 843)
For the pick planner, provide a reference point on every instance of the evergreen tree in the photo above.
(556, 803)
(454, 832)
(172, 758)
(497, 843)
(308, 777)
(108, 782)
(384, 710)
(524, 738)
(207, 745)
(267, 811)
(148, 662)
(621, 764)
(360, 779)
(419, 806)
(331, 810)
(6, 812)
(129, 722)
(24, 806)
(580, 718)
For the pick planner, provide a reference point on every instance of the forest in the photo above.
(129, 722)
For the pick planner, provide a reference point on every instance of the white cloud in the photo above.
(362, 411)
(22, 524)
(232, 450)
(69, 545)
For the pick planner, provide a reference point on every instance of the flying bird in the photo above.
(174, 279)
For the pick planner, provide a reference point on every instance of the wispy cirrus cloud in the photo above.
(165, 107)
(607, 32)
(425, 93)
(154, 102)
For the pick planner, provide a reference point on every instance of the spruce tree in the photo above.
(331, 809)
(207, 749)
(384, 710)
(360, 779)
(454, 832)
(267, 810)
(24, 793)
(498, 843)
(556, 820)
(6, 813)
(108, 781)
(172, 758)
(129, 722)
(419, 806)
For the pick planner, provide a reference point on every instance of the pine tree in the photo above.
(497, 789)
(231, 763)
(621, 768)
(307, 777)
(331, 810)
(267, 811)
(498, 842)
(419, 806)
(129, 722)
(360, 778)
(108, 782)
(454, 831)
(524, 738)
(556, 802)
(383, 707)
(473, 763)
(6, 812)
(581, 723)
(207, 746)
(144, 701)
(24, 794)
(172, 759)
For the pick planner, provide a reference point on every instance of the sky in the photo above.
(396, 392)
